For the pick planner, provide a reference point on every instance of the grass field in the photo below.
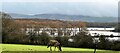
(16, 48)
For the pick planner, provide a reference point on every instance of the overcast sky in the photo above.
(73, 7)
(112, 1)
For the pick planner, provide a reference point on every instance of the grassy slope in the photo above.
(15, 47)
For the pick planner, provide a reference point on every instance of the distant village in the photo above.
(73, 31)
(66, 28)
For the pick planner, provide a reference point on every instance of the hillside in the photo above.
(67, 17)
(32, 48)
(18, 47)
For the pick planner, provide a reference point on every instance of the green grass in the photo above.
(16, 48)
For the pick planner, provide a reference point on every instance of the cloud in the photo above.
(60, 1)
(85, 7)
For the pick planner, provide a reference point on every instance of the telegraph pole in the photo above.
(95, 47)
(95, 42)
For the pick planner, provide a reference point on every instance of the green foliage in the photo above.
(82, 40)
(63, 40)
(102, 42)
(106, 44)
(42, 39)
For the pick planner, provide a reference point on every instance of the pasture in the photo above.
(17, 48)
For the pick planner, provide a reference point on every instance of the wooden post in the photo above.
(95, 47)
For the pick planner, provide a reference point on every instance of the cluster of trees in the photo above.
(81, 40)
(11, 33)
(10, 29)
(41, 23)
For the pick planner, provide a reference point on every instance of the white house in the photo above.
(104, 31)
(107, 33)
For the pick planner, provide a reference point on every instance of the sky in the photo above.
(102, 8)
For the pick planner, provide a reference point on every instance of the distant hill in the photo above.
(66, 17)
(14, 15)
